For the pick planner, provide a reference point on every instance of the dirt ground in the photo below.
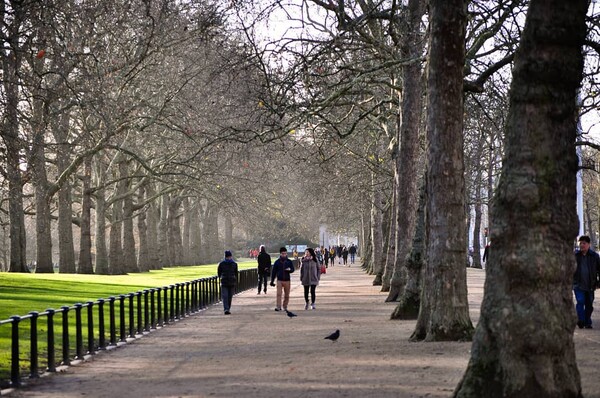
(257, 352)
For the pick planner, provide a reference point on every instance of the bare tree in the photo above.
(527, 294)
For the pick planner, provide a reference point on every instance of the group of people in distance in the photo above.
(327, 255)
(280, 270)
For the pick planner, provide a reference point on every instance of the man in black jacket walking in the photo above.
(585, 280)
(264, 268)
(282, 269)
(228, 273)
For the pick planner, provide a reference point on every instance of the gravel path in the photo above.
(257, 352)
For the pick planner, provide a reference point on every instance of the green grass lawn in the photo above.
(22, 293)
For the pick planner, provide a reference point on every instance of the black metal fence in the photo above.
(103, 324)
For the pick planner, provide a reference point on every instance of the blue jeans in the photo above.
(584, 305)
(227, 293)
(352, 257)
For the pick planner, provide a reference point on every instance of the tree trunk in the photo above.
(195, 234)
(115, 254)
(228, 232)
(174, 232)
(66, 248)
(444, 313)
(410, 300)
(163, 254)
(407, 164)
(11, 63)
(390, 257)
(523, 346)
(85, 244)
(129, 255)
(40, 180)
(376, 231)
(143, 254)
(477, 222)
(102, 263)
(185, 241)
(152, 221)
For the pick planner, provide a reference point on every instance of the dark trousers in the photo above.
(262, 281)
(312, 293)
(584, 306)
(227, 293)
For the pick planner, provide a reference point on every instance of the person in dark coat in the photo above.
(264, 269)
(282, 268)
(227, 271)
(585, 280)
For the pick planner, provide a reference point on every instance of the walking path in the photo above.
(257, 352)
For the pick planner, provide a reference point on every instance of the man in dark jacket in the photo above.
(585, 280)
(228, 273)
(264, 268)
(282, 269)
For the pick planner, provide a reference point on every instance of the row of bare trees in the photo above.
(364, 69)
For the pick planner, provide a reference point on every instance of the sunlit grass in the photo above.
(22, 293)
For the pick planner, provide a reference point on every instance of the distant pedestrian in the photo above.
(332, 256)
(352, 250)
(282, 268)
(325, 256)
(310, 274)
(345, 255)
(264, 269)
(228, 274)
(585, 280)
(339, 254)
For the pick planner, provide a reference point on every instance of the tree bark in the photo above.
(129, 254)
(195, 234)
(152, 221)
(102, 263)
(523, 345)
(410, 300)
(390, 257)
(85, 241)
(376, 231)
(407, 164)
(66, 248)
(444, 313)
(143, 253)
(185, 241)
(174, 232)
(43, 232)
(228, 232)
(163, 231)
(11, 64)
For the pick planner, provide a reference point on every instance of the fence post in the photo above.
(177, 295)
(138, 295)
(33, 347)
(122, 317)
(187, 298)
(66, 360)
(166, 301)
(172, 315)
(152, 310)
(90, 326)
(78, 332)
(158, 307)
(113, 320)
(131, 316)
(51, 345)
(101, 331)
(14, 365)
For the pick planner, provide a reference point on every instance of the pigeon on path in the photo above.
(333, 336)
(290, 314)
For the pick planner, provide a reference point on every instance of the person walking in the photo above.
(585, 280)
(310, 274)
(345, 255)
(264, 268)
(332, 255)
(352, 251)
(282, 268)
(227, 272)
